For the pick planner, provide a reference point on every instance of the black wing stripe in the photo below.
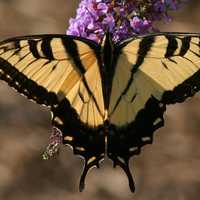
(185, 45)
(17, 45)
(33, 48)
(46, 48)
(144, 47)
(172, 46)
(71, 49)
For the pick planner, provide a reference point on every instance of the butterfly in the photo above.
(108, 98)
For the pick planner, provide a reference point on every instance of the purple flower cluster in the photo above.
(122, 18)
(54, 145)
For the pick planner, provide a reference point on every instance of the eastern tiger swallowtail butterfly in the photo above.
(108, 98)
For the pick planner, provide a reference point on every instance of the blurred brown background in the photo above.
(168, 169)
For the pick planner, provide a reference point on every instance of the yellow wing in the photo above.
(49, 68)
(164, 66)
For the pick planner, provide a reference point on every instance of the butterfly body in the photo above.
(108, 98)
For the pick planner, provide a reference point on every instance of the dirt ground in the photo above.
(166, 170)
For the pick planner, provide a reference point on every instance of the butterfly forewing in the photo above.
(152, 65)
(60, 65)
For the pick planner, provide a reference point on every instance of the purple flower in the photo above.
(122, 18)
(54, 145)
(102, 8)
(109, 21)
(140, 25)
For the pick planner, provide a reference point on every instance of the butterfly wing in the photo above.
(50, 68)
(150, 72)
(61, 72)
